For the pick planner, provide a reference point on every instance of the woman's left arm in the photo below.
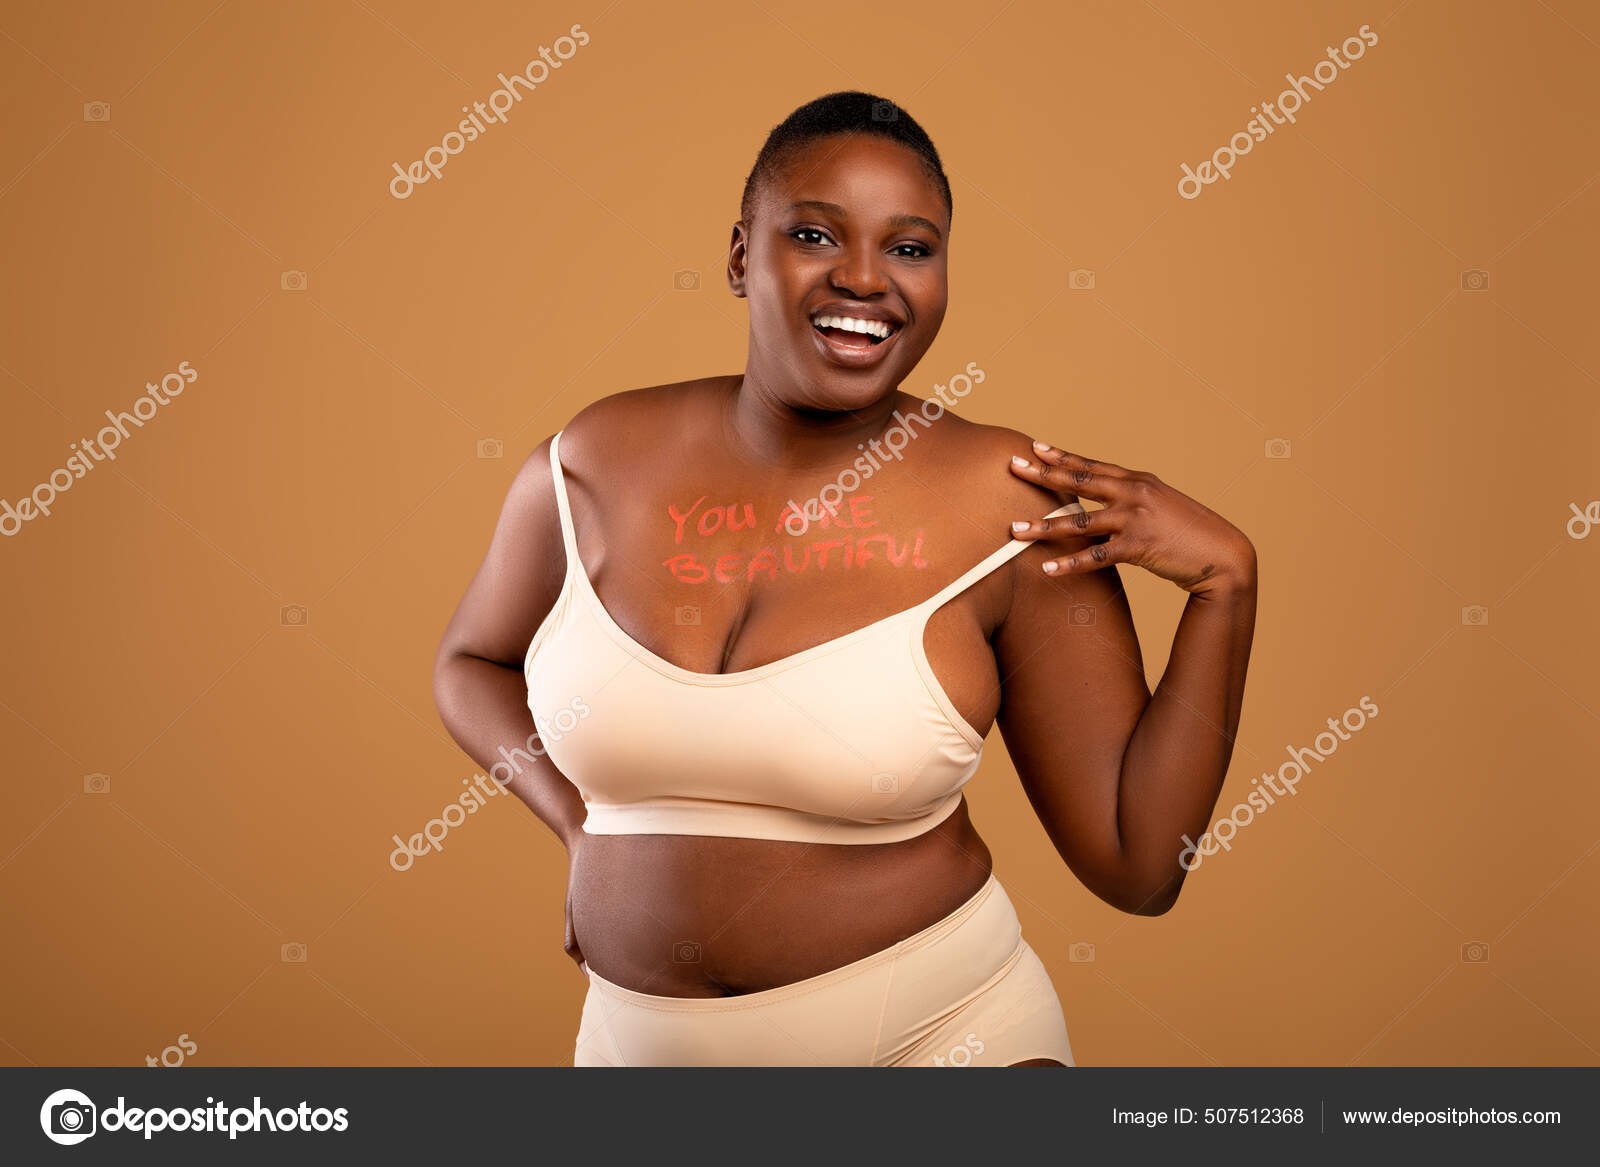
(1120, 777)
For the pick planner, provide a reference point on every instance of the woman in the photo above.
(737, 642)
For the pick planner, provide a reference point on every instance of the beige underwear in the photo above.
(966, 991)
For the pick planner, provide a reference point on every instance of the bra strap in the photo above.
(990, 562)
(569, 535)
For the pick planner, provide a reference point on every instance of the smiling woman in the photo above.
(771, 860)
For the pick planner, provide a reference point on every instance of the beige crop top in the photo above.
(849, 741)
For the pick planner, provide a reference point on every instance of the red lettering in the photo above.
(713, 513)
(764, 560)
(888, 549)
(684, 566)
(749, 518)
(853, 552)
(830, 517)
(678, 519)
(789, 508)
(858, 507)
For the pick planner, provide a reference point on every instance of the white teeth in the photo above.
(876, 328)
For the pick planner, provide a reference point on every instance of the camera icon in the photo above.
(292, 616)
(1081, 615)
(686, 280)
(885, 784)
(1080, 279)
(686, 614)
(97, 111)
(97, 784)
(1475, 952)
(491, 448)
(71, 1121)
(292, 953)
(1475, 615)
(293, 281)
(686, 952)
(1277, 447)
(884, 111)
(1081, 953)
(1474, 280)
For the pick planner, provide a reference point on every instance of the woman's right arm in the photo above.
(478, 682)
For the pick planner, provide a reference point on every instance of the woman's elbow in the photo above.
(1144, 897)
(445, 677)
(1157, 904)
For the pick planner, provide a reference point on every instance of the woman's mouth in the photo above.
(853, 341)
(852, 331)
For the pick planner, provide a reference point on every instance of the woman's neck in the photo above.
(763, 429)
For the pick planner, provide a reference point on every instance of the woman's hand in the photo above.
(570, 941)
(1144, 522)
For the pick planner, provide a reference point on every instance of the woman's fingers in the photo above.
(1142, 522)
(1077, 463)
(1100, 522)
(1062, 457)
(1068, 473)
(1089, 559)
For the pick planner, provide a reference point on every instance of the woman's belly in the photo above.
(702, 916)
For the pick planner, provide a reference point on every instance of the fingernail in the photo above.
(1019, 525)
(1017, 460)
(1051, 567)
(1042, 447)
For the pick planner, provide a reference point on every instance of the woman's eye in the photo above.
(801, 232)
(916, 249)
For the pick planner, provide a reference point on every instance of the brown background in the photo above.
(328, 457)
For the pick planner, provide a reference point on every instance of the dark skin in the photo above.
(1117, 775)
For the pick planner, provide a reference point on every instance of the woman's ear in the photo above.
(737, 248)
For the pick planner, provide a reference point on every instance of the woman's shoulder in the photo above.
(978, 456)
(639, 413)
(626, 422)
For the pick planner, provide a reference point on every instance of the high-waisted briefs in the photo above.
(965, 991)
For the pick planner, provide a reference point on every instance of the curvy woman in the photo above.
(738, 641)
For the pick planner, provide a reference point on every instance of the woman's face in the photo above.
(854, 229)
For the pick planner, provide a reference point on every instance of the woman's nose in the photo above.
(859, 274)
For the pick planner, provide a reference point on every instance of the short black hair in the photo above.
(846, 112)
